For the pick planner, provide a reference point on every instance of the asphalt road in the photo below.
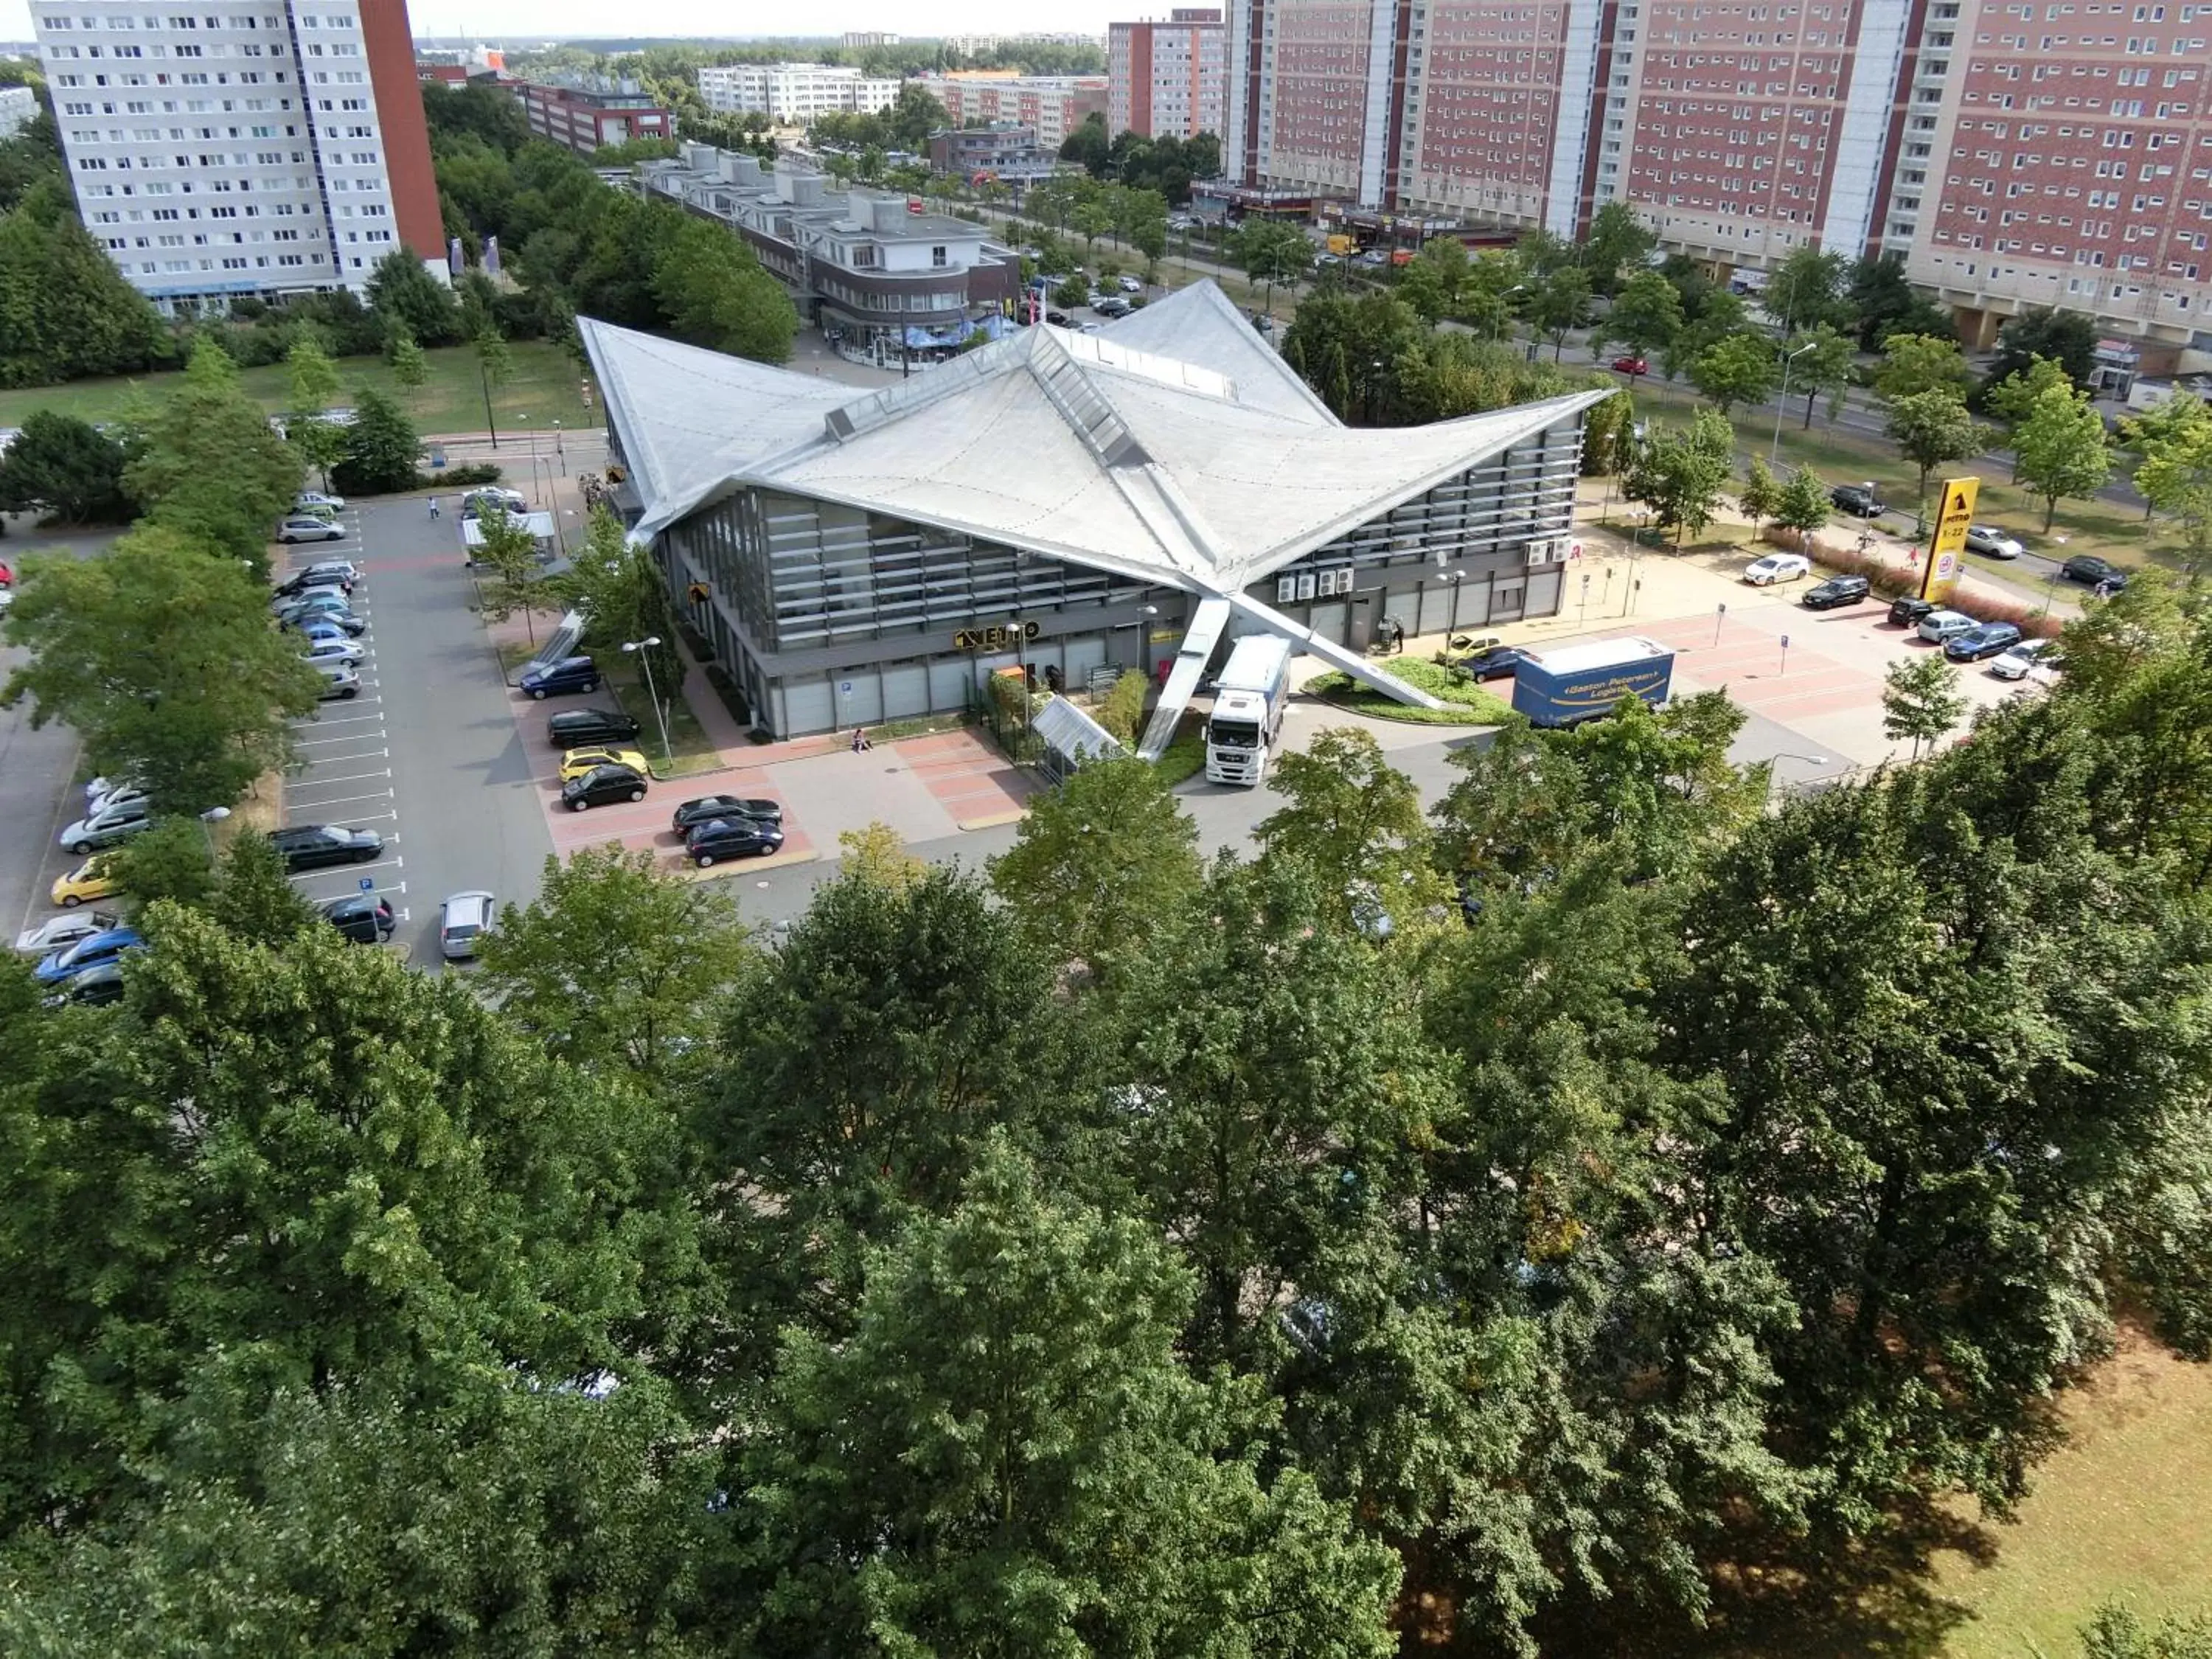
(427, 756)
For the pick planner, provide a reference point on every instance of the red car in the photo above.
(1631, 366)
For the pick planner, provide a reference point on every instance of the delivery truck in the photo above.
(1579, 683)
(1246, 721)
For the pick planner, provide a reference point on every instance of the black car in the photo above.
(362, 918)
(1497, 662)
(340, 576)
(1861, 500)
(1834, 591)
(301, 616)
(582, 728)
(2093, 572)
(601, 785)
(552, 678)
(1059, 320)
(730, 838)
(313, 846)
(1990, 640)
(707, 808)
(1907, 612)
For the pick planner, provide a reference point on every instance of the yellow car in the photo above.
(89, 880)
(575, 762)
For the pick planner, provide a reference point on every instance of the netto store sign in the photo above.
(996, 637)
(1947, 552)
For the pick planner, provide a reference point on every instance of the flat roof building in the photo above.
(590, 116)
(260, 153)
(1167, 80)
(867, 265)
(795, 94)
(1135, 498)
(1050, 106)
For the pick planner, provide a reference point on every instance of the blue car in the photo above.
(1990, 640)
(89, 952)
(570, 674)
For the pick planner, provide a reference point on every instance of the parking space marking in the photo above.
(347, 801)
(350, 719)
(350, 777)
(373, 864)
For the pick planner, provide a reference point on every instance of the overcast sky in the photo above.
(536, 18)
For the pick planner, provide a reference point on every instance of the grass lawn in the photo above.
(1464, 702)
(2120, 1512)
(689, 752)
(543, 387)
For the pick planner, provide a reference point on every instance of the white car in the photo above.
(334, 653)
(303, 529)
(463, 920)
(307, 498)
(2025, 659)
(1938, 626)
(59, 932)
(1777, 567)
(123, 794)
(1992, 543)
(1130, 285)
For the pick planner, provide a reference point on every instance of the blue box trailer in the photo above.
(1579, 683)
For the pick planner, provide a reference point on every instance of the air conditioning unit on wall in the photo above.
(1548, 552)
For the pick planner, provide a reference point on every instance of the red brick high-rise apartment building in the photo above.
(1165, 80)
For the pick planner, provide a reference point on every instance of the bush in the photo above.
(1123, 708)
(475, 472)
(1894, 580)
(1466, 703)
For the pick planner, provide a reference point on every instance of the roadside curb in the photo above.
(686, 870)
(991, 820)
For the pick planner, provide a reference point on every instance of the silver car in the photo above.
(463, 920)
(1938, 626)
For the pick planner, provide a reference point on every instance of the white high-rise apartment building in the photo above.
(251, 150)
(793, 94)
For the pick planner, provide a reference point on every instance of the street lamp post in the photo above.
(644, 646)
(1773, 760)
(1774, 452)
(212, 816)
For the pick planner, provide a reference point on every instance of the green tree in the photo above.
(1680, 476)
(2175, 473)
(312, 378)
(1740, 369)
(1123, 711)
(615, 962)
(65, 310)
(1759, 495)
(1070, 293)
(1560, 304)
(1823, 364)
(1272, 254)
(409, 366)
(210, 467)
(1885, 303)
(1802, 503)
(2068, 338)
(509, 546)
(1436, 284)
(60, 464)
(381, 449)
(2062, 450)
(253, 899)
(169, 861)
(1646, 315)
(161, 657)
(1355, 821)
(619, 590)
(1914, 364)
(714, 293)
(1930, 429)
(1615, 240)
(405, 294)
(2013, 400)
(1806, 291)
(1088, 146)
(2115, 1631)
(1100, 865)
(1009, 1439)
(1921, 700)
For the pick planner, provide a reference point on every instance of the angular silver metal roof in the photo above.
(1176, 447)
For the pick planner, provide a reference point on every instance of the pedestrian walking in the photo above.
(433, 506)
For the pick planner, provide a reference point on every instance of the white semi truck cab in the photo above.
(1245, 727)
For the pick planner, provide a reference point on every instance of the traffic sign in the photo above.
(368, 884)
